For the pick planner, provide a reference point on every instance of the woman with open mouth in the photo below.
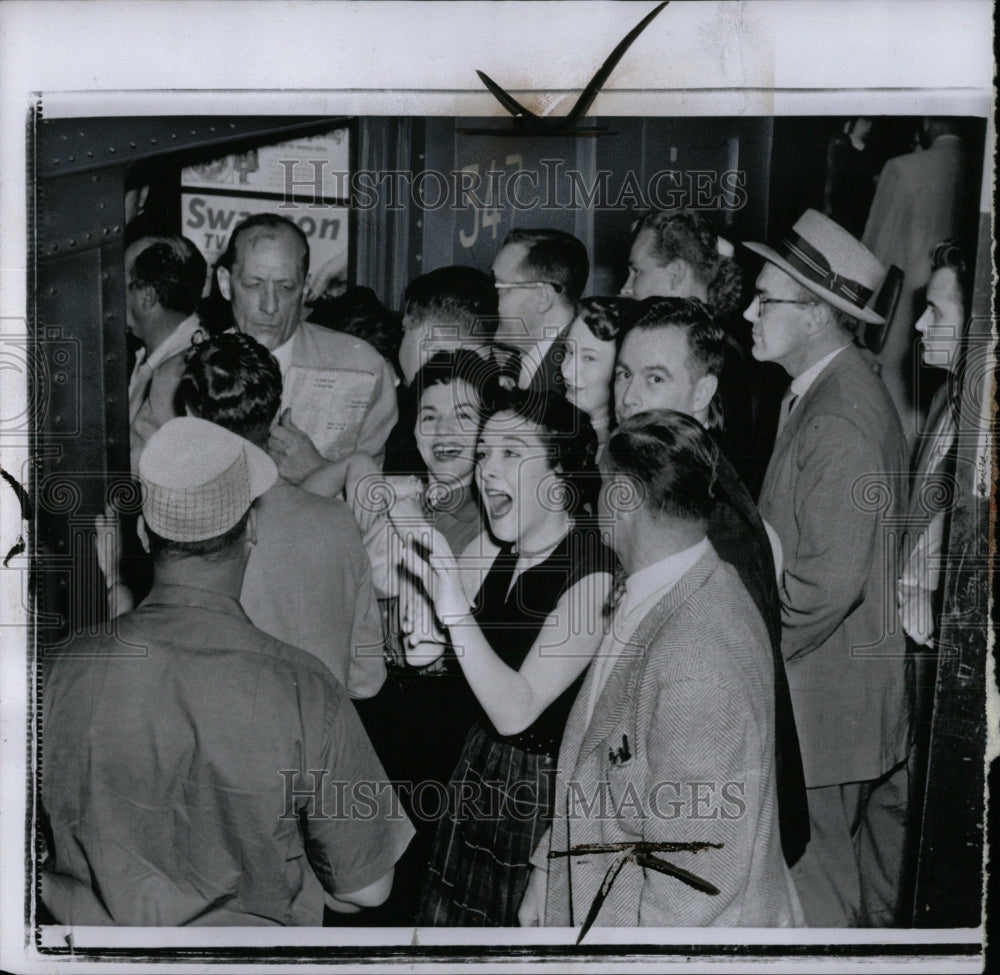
(588, 364)
(523, 630)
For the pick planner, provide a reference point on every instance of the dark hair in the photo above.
(688, 236)
(568, 437)
(216, 548)
(232, 380)
(269, 221)
(555, 257)
(358, 312)
(674, 459)
(444, 367)
(453, 295)
(174, 268)
(706, 340)
(608, 318)
(953, 255)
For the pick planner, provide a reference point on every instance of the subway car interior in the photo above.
(385, 199)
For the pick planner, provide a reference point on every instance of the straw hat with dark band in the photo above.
(827, 260)
(198, 479)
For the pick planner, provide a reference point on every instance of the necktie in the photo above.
(138, 387)
(787, 404)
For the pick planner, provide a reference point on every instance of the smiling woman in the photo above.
(589, 362)
(523, 635)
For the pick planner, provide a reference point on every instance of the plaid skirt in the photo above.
(499, 805)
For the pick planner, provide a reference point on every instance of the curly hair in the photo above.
(688, 236)
(608, 318)
(568, 438)
(232, 380)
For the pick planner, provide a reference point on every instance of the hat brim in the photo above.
(862, 314)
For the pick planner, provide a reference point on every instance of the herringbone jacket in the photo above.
(680, 748)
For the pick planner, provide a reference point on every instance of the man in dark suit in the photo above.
(539, 276)
(672, 358)
(826, 492)
(671, 738)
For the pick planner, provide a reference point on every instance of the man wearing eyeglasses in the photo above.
(827, 492)
(539, 276)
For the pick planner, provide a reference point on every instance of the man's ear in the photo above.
(704, 389)
(678, 271)
(251, 536)
(225, 284)
(140, 530)
(148, 298)
(545, 298)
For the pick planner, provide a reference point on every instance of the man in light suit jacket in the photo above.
(832, 479)
(671, 739)
(539, 276)
(922, 197)
(164, 278)
(338, 393)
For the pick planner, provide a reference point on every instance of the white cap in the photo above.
(198, 479)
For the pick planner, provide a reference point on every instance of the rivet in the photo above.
(89, 235)
(55, 162)
(117, 228)
(72, 158)
(173, 135)
(72, 242)
(131, 145)
(52, 291)
(112, 149)
(152, 142)
(90, 155)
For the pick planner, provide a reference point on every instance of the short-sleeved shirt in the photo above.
(198, 771)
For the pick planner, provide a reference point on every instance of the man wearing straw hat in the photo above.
(194, 767)
(826, 492)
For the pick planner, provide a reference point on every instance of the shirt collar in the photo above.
(802, 382)
(658, 578)
(283, 353)
(177, 341)
(166, 594)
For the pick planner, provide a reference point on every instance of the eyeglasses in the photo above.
(762, 300)
(506, 285)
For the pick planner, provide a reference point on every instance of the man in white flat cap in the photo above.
(827, 490)
(194, 766)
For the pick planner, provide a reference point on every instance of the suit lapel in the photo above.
(843, 361)
(621, 688)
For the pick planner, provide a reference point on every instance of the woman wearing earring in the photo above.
(523, 634)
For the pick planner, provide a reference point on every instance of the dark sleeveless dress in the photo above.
(499, 799)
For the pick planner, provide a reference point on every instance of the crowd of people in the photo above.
(490, 613)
